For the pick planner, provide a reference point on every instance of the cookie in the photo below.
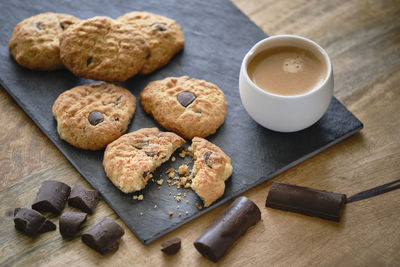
(211, 167)
(164, 36)
(130, 160)
(101, 48)
(92, 116)
(186, 106)
(34, 43)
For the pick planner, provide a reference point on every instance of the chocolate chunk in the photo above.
(141, 145)
(38, 26)
(103, 237)
(150, 154)
(186, 98)
(160, 26)
(117, 101)
(62, 26)
(171, 246)
(51, 197)
(32, 222)
(308, 201)
(229, 226)
(83, 199)
(70, 223)
(206, 157)
(88, 61)
(95, 118)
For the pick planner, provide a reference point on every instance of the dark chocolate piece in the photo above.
(83, 199)
(70, 222)
(103, 237)
(150, 154)
(206, 157)
(88, 61)
(51, 197)
(141, 145)
(229, 226)
(32, 222)
(186, 98)
(308, 201)
(95, 118)
(171, 246)
(62, 26)
(38, 26)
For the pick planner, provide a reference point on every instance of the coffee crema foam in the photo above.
(287, 70)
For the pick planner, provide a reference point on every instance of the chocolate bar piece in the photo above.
(32, 222)
(51, 197)
(83, 199)
(104, 237)
(70, 222)
(308, 201)
(171, 246)
(229, 226)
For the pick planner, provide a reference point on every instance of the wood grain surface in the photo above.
(363, 40)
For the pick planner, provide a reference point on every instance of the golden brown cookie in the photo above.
(34, 43)
(164, 36)
(92, 116)
(189, 107)
(130, 160)
(101, 48)
(211, 167)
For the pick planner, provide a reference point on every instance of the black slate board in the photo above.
(217, 37)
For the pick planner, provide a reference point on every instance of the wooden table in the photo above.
(363, 40)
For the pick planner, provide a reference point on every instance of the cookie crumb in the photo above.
(169, 193)
(158, 187)
(180, 214)
(139, 197)
(198, 206)
(171, 214)
(182, 154)
(187, 201)
(177, 207)
(177, 198)
(187, 212)
(155, 206)
(173, 159)
(160, 182)
(170, 170)
(141, 214)
(171, 175)
(183, 170)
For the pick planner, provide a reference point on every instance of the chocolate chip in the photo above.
(89, 60)
(206, 158)
(95, 118)
(62, 26)
(32, 222)
(83, 199)
(171, 246)
(38, 26)
(117, 101)
(186, 98)
(103, 237)
(51, 197)
(141, 145)
(150, 154)
(160, 26)
(70, 222)
(116, 119)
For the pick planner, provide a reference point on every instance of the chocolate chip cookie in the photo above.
(164, 36)
(101, 48)
(211, 167)
(34, 43)
(189, 107)
(92, 116)
(130, 160)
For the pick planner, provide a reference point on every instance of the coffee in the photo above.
(287, 70)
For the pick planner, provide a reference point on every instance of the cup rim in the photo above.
(252, 52)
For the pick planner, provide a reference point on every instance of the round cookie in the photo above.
(130, 160)
(164, 36)
(92, 116)
(101, 48)
(189, 107)
(34, 43)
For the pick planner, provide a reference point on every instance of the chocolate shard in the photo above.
(104, 237)
(171, 246)
(307, 201)
(32, 222)
(70, 223)
(51, 197)
(83, 199)
(186, 98)
(229, 226)
(95, 118)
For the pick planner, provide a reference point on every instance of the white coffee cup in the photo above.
(284, 113)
